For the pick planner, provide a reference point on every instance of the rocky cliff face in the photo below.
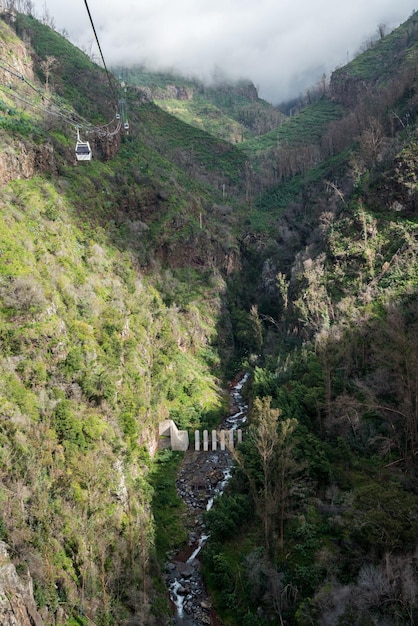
(170, 92)
(17, 605)
(20, 160)
(242, 89)
(346, 89)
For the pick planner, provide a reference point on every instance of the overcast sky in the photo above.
(282, 46)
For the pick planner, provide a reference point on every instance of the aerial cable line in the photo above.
(120, 103)
(44, 97)
(41, 94)
(72, 121)
(68, 120)
(75, 120)
(100, 50)
(83, 150)
(8, 89)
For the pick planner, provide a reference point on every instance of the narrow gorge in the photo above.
(202, 477)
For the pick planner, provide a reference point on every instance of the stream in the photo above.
(203, 476)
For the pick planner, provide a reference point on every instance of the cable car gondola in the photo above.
(82, 149)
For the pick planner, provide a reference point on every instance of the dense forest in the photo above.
(210, 234)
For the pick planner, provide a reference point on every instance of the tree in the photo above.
(47, 65)
(384, 518)
(371, 141)
(274, 442)
(266, 441)
(394, 391)
(257, 327)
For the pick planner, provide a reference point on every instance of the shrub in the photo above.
(68, 427)
(384, 517)
(22, 294)
(227, 516)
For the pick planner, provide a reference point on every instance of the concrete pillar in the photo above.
(214, 442)
(239, 435)
(196, 440)
(205, 441)
(222, 440)
(231, 439)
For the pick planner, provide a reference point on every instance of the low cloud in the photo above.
(282, 47)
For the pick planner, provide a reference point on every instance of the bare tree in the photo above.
(47, 65)
(47, 18)
(371, 141)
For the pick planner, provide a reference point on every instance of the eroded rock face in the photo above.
(17, 605)
(16, 161)
(20, 160)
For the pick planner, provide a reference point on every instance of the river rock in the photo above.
(202, 476)
(206, 605)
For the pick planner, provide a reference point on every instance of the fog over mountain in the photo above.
(283, 47)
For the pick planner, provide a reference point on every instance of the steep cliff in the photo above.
(17, 605)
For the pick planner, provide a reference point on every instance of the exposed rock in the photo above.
(170, 92)
(17, 605)
(16, 161)
(346, 89)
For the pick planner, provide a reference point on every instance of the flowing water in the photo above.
(203, 476)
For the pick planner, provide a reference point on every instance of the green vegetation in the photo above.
(133, 286)
(232, 112)
(143, 77)
(332, 550)
(196, 146)
(14, 122)
(387, 55)
(167, 506)
(304, 128)
(206, 116)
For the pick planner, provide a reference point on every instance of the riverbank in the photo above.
(201, 477)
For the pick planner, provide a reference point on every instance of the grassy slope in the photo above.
(385, 57)
(206, 116)
(205, 150)
(306, 127)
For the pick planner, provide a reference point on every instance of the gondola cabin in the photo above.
(83, 151)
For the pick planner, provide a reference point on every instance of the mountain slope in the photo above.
(132, 284)
(331, 275)
(110, 295)
(229, 111)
